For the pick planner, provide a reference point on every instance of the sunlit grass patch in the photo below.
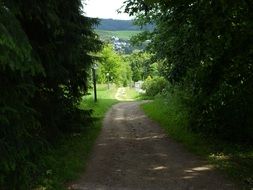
(105, 99)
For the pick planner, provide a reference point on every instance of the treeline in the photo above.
(45, 57)
(118, 25)
(207, 52)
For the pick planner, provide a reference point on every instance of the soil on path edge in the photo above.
(133, 153)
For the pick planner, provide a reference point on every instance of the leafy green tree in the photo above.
(207, 50)
(112, 67)
(126, 73)
(141, 65)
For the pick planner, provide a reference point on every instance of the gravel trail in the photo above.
(133, 153)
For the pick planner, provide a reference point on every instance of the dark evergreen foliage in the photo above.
(44, 63)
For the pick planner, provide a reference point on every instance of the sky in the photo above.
(104, 9)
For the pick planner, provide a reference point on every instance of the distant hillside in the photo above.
(118, 25)
(122, 34)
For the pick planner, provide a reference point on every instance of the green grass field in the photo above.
(234, 160)
(124, 35)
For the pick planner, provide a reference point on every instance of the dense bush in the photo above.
(154, 86)
(44, 62)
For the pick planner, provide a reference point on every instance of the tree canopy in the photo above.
(112, 67)
(207, 51)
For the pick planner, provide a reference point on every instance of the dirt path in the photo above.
(121, 95)
(133, 153)
(121, 92)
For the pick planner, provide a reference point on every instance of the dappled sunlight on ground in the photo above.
(134, 153)
(219, 156)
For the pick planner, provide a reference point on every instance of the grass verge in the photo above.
(235, 161)
(67, 160)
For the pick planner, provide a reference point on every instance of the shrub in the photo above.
(154, 86)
